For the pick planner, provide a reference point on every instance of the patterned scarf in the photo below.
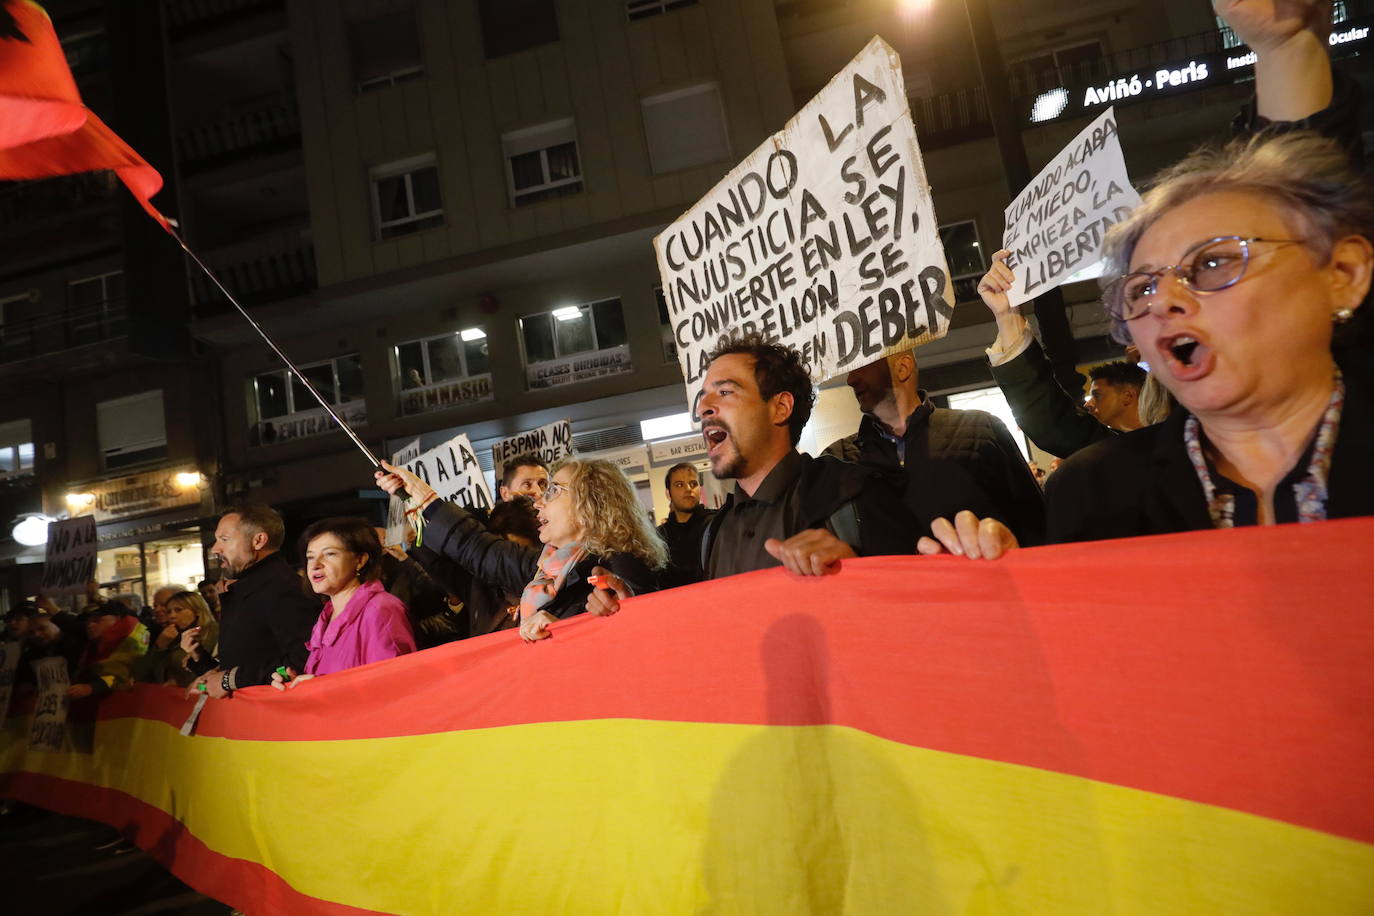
(1309, 493)
(554, 565)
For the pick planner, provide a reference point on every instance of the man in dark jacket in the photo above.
(61, 635)
(946, 460)
(683, 527)
(788, 508)
(266, 614)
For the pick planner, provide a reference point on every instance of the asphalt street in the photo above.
(52, 865)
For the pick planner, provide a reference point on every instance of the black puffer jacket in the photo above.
(955, 460)
(451, 531)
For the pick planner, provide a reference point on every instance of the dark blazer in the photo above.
(1054, 419)
(1142, 482)
(851, 500)
(955, 460)
(265, 622)
(453, 532)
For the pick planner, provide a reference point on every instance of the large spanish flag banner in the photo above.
(1179, 725)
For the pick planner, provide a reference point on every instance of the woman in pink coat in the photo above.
(362, 622)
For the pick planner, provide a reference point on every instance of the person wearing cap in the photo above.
(59, 635)
(115, 643)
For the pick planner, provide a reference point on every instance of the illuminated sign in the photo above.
(1126, 87)
(1172, 77)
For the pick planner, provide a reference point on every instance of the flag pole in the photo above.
(329, 409)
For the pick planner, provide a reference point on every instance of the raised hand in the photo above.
(190, 642)
(996, 283)
(1266, 25)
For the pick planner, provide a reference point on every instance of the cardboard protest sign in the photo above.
(454, 473)
(396, 508)
(9, 663)
(1056, 226)
(70, 559)
(49, 724)
(552, 442)
(824, 238)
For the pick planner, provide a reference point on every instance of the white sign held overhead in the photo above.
(1056, 226)
(69, 562)
(454, 473)
(396, 524)
(48, 730)
(552, 442)
(824, 238)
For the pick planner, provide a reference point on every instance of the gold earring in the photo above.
(1343, 315)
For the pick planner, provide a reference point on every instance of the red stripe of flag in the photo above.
(1193, 665)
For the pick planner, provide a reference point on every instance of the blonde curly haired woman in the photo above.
(590, 525)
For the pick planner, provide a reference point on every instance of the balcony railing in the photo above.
(62, 330)
(264, 130)
(256, 272)
(24, 202)
(1027, 84)
(951, 117)
(188, 16)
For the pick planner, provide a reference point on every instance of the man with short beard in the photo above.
(788, 508)
(266, 615)
(943, 461)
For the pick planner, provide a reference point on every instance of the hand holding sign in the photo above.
(995, 285)
(449, 471)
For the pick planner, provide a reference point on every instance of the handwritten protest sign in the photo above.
(396, 508)
(9, 663)
(1056, 226)
(454, 473)
(824, 238)
(551, 442)
(70, 560)
(49, 724)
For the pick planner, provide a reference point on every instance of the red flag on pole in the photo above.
(45, 129)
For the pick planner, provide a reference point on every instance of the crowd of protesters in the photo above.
(1238, 282)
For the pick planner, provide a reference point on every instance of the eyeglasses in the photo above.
(554, 491)
(1216, 264)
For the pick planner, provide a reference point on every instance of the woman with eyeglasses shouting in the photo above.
(1230, 279)
(594, 534)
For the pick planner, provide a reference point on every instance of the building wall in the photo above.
(596, 73)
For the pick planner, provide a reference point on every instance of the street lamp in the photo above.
(1006, 128)
(32, 529)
